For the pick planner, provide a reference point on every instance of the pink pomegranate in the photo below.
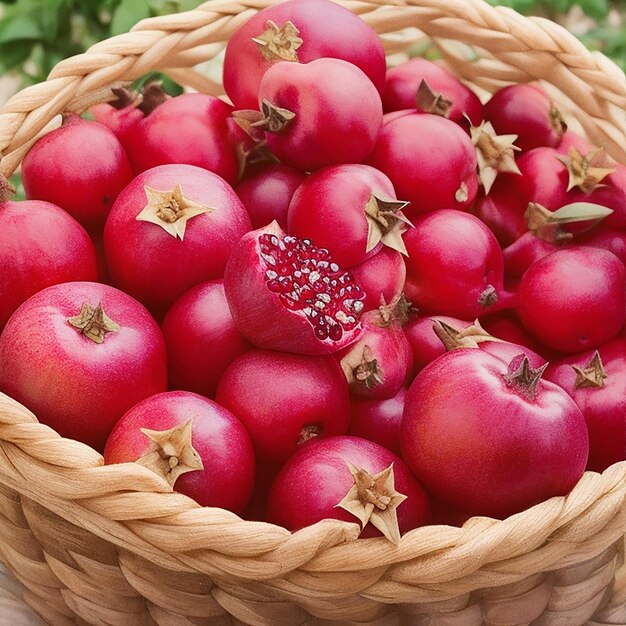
(79, 355)
(200, 448)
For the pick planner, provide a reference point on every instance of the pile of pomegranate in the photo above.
(347, 292)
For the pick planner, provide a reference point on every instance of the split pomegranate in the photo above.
(197, 446)
(79, 355)
(81, 167)
(341, 478)
(305, 109)
(172, 228)
(286, 294)
(596, 380)
(351, 210)
(573, 299)
(201, 338)
(475, 432)
(298, 31)
(285, 399)
(430, 160)
(40, 245)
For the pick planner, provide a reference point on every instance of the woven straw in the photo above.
(113, 545)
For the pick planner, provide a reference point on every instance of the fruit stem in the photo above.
(523, 378)
(93, 322)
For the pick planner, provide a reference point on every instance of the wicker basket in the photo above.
(113, 545)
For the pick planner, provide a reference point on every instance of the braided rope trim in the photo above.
(137, 511)
(508, 47)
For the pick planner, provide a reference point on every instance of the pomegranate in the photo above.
(430, 160)
(201, 338)
(351, 210)
(191, 129)
(81, 167)
(172, 228)
(285, 399)
(525, 110)
(79, 355)
(612, 240)
(429, 87)
(588, 307)
(298, 31)
(314, 306)
(454, 266)
(596, 380)
(197, 446)
(379, 420)
(40, 245)
(341, 478)
(305, 110)
(267, 194)
(475, 431)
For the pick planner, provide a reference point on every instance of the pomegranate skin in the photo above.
(316, 478)
(267, 194)
(81, 167)
(252, 304)
(217, 436)
(327, 96)
(155, 267)
(201, 338)
(430, 160)
(190, 129)
(475, 441)
(603, 406)
(284, 399)
(72, 384)
(404, 80)
(40, 245)
(586, 310)
(326, 30)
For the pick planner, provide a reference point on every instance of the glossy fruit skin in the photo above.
(120, 121)
(190, 129)
(252, 304)
(141, 255)
(40, 245)
(316, 478)
(81, 167)
(524, 110)
(282, 399)
(329, 209)
(380, 276)
(429, 159)
(327, 96)
(586, 310)
(201, 338)
(72, 384)
(523, 252)
(604, 407)
(452, 259)
(476, 443)
(379, 420)
(219, 438)
(326, 29)
(612, 240)
(267, 194)
(404, 80)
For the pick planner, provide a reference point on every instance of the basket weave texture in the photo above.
(113, 545)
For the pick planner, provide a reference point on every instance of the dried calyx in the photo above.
(171, 210)
(488, 297)
(522, 377)
(373, 498)
(271, 118)
(592, 374)
(146, 100)
(585, 171)
(93, 322)
(430, 101)
(385, 223)
(366, 372)
(398, 311)
(495, 153)
(468, 337)
(306, 279)
(279, 43)
(171, 452)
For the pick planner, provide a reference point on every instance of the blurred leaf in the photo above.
(13, 54)
(127, 14)
(19, 27)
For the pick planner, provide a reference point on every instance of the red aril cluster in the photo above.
(334, 295)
